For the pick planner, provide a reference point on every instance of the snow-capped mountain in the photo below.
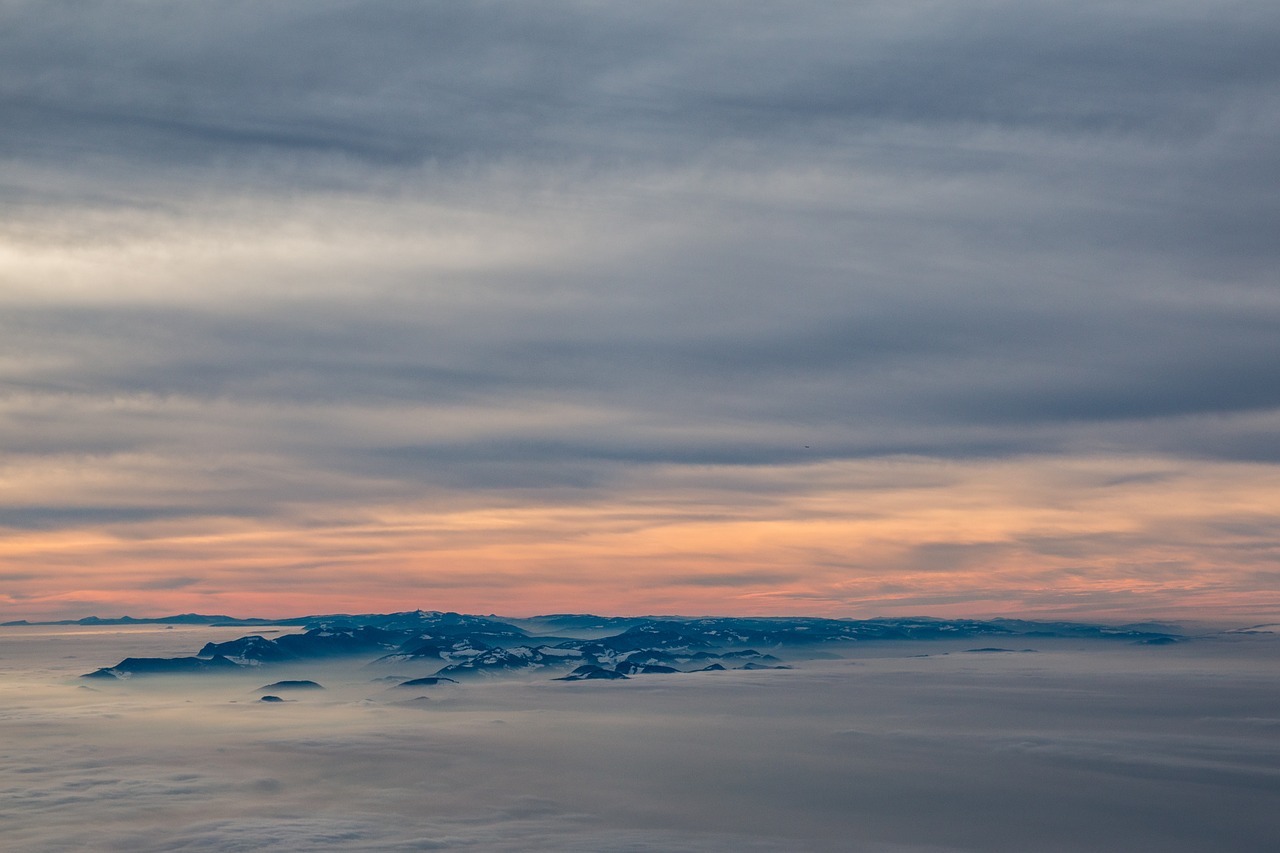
(465, 645)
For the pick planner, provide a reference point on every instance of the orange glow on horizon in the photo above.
(1019, 537)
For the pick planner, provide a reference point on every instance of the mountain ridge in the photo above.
(464, 645)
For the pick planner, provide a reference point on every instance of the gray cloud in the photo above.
(282, 262)
(392, 81)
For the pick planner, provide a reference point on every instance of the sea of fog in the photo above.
(889, 748)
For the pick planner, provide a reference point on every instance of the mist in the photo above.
(919, 746)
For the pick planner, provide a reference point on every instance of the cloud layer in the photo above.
(334, 265)
(1080, 746)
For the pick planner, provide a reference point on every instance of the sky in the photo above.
(844, 309)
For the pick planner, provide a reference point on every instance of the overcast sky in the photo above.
(941, 307)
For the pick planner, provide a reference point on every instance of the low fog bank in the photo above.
(891, 748)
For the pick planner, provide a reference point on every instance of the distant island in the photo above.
(179, 619)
